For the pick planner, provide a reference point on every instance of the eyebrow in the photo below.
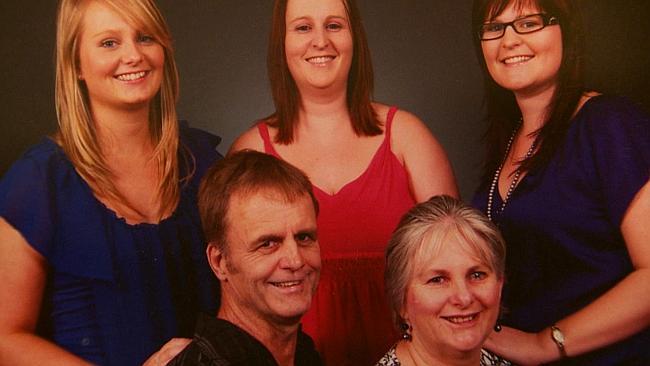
(105, 32)
(267, 237)
(329, 17)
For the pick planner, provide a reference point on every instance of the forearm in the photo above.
(22, 348)
(619, 313)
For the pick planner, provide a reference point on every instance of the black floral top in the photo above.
(487, 359)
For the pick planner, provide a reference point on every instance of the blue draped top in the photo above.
(115, 292)
(562, 224)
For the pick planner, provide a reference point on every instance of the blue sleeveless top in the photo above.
(562, 225)
(115, 292)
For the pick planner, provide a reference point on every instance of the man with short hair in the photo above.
(259, 218)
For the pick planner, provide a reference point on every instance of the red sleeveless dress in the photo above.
(349, 319)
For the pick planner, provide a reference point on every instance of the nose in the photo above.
(131, 53)
(510, 37)
(462, 295)
(320, 39)
(292, 258)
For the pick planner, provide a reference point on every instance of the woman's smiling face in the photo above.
(527, 64)
(318, 43)
(121, 66)
(452, 300)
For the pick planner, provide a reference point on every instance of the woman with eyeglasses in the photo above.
(566, 179)
(369, 164)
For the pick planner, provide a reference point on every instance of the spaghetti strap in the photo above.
(389, 125)
(263, 129)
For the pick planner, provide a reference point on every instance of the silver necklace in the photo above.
(497, 174)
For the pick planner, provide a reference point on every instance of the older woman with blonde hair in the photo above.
(444, 273)
(102, 253)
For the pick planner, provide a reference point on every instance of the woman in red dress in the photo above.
(369, 163)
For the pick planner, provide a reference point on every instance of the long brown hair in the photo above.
(285, 92)
(77, 135)
(503, 112)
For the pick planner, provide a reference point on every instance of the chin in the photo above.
(291, 308)
(469, 343)
(290, 316)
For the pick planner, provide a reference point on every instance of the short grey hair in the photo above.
(428, 223)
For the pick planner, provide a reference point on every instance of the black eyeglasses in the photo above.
(528, 24)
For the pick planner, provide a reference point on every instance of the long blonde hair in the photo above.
(77, 135)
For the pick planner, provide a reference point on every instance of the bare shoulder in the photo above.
(409, 133)
(424, 158)
(250, 140)
(403, 121)
(586, 96)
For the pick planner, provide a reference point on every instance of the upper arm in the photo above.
(425, 160)
(23, 272)
(636, 229)
(250, 139)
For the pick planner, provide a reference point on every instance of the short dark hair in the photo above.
(245, 172)
(503, 114)
(285, 92)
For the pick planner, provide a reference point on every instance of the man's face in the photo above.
(271, 264)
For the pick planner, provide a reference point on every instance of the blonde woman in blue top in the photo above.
(101, 251)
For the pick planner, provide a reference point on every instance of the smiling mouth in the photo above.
(286, 284)
(516, 60)
(131, 76)
(320, 60)
(461, 320)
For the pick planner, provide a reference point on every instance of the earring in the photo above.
(497, 327)
(406, 331)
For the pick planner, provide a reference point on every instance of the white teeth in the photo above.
(461, 319)
(516, 59)
(320, 59)
(286, 283)
(130, 77)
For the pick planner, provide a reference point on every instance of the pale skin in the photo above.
(620, 312)
(448, 283)
(279, 339)
(325, 145)
(121, 121)
(268, 241)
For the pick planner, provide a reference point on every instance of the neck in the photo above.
(414, 353)
(324, 116)
(123, 132)
(279, 339)
(534, 108)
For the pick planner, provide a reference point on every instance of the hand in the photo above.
(523, 348)
(168, 351)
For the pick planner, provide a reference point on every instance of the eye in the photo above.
(303, 28)
(478, 275)
(335, 27)
(492, 27)
(267, 245)
(145, 38)
(305, 238)
(529, 24)
(109, 43)
(437, 280)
